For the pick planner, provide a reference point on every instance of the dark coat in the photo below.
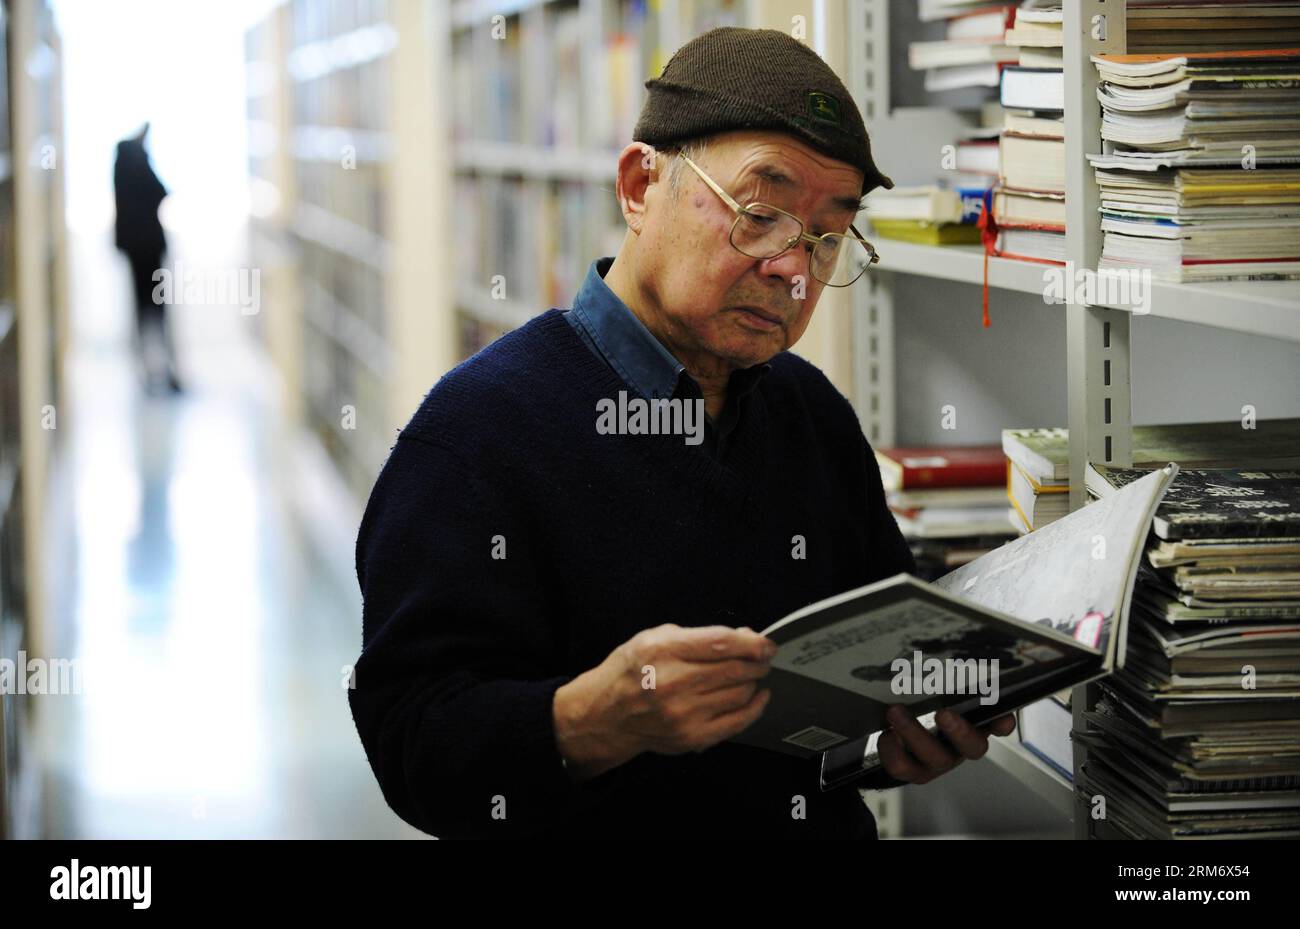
(137, 192)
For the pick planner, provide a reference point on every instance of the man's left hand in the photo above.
(910, 753)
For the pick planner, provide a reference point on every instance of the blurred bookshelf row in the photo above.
(400, 227)
(543, 102)
(33, 338)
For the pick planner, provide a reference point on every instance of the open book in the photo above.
(1043, 613)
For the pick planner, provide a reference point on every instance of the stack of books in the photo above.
(1199, 179)
(978, 156)
(948, 502)
(973, 52)
(1198, 732)
(928, 214)
(1037, 476)
(1029, 201)
(1038, 31)
(1038, 469)
(1158, 26)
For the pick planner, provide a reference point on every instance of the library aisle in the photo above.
(211, 632)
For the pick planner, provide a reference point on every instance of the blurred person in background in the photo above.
(139, 235)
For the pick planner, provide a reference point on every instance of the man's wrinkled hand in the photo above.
(908, 752)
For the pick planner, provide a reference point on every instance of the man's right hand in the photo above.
(668, 690)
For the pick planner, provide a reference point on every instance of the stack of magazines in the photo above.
(1200, 173)
(1197, 735)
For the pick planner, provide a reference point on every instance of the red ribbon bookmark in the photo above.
(989, 236)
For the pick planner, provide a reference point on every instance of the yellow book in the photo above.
(909, 230)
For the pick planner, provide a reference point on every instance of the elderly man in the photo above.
(559, 614)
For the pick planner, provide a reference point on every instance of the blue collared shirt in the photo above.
(617, 337)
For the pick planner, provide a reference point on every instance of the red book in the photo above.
(942, 466)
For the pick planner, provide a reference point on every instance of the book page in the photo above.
(1074, 575)
(856, 653)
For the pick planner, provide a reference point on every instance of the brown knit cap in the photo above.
(733, 78)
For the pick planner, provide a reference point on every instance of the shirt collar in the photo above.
(632, 350)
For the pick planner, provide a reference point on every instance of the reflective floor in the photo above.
(212, 628)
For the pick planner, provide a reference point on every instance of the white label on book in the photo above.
(1089, 629)
(933, 461)
(814, 738)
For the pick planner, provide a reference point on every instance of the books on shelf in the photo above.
(1033, 163)
(1029, 208)
(1028, 204)
(935, 466)
(530, 193)
(945, 213)
(1221, 503)
(1043, 242)
(952, 52)
(563, 111)
(1037, 89)
(978, 153)
(1210, 25)
(1202, 224)
(1039, 459)
(1200, 172)
(948, 501)
(1031, 57)
(1037, 28)
(973, 51)
(340, 68)
(1198, 732)
(926, 233)
(1163, 110)
(1035, 503)
(928, 214)
(933, 10)
(925, 203)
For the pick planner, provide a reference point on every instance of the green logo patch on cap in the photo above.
(824, 108)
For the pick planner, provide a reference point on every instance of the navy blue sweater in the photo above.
(604, 535)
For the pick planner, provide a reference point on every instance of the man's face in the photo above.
(715, 303)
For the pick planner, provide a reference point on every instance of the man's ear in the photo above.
(639, 169)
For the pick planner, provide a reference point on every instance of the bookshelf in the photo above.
(547, 93)
(339, 67)
(343, 125)
(271, 187)
(33, 338)
(905, 123)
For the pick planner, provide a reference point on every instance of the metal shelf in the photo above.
(338, 53)
(467, 13)
(959, 263)
(1267, 308)
(536, 161)
(341, 235)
